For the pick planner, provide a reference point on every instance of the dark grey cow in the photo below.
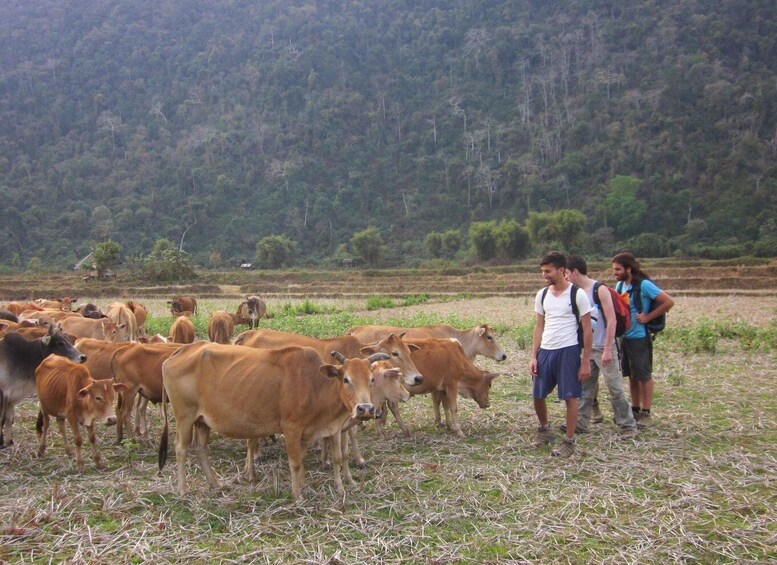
(19, 357)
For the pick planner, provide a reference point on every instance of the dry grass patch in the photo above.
(699, 486)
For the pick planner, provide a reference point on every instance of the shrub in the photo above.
(378, 302)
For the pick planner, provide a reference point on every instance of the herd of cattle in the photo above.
(262, 382)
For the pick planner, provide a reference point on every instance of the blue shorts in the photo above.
(558, 367)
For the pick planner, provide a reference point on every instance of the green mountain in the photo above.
(225, 122)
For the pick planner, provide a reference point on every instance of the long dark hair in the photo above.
(627, 259)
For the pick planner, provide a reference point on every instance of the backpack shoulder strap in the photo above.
(636, 295)
(597, 300)
(544, 294)
(573, 296)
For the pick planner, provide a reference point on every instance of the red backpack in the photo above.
(622, 309)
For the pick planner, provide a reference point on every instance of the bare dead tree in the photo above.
(108, 121)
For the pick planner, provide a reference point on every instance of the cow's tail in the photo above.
(120, 400)
(3, 413)
(39, 423)
(239, 339)
(165, 432)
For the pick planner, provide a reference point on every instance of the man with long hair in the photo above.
(555, 351)
(637, 344)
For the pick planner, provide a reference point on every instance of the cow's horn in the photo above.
(339, 356)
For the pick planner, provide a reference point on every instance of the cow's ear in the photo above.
(119, 387)
(412, 346)
(481, 330)
(83, 393)
(45, 340)
(391, 373)
(330, 371)
(368, 349)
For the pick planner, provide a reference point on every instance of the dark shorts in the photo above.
(558, 367)
(637, 358)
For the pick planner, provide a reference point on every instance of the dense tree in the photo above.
(225, 123)
(106, 256)
(368, 244)
(275, 251)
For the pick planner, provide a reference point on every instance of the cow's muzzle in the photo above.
(365, 411)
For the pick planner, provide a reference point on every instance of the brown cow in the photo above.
(250, 311)
(17, 308)
(480, 340)
(183, 304)
(18, 359)
(98, 355)
(139, 368)
(79, 326)
(447, 371)
(220, 327)
(182, 330)
(64, 304)
(141, 313)
(67, 391)
(124, 318)
(386, 387)
(349, 346)
(246, 393)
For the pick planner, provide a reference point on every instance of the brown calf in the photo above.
(67, 391)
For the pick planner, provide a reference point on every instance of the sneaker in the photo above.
(644, 420)
(565, 449)
(628, 433)
(578, 429)
(596, 414)
(544, 436)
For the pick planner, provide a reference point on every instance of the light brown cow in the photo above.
(65, 303)
(124, 318)
(79, 326)
(447, 372)
(141, 313)
(245, 393)
(17, 308)
(67, 391)
(386, 387)
(139, 368)
(220, 327)
(182, 330)
(98, 355)
(156, 338)
(393, 345)
(183, 304)
(480, 340)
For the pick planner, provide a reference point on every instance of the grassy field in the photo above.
(698, 487)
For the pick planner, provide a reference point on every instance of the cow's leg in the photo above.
(381, 422)
(436, 401)
(44, 429)
(201, 436)
(78, 441)
(68, 449)
(345, 455)
(443, 399)
(10, 416)
(357, 455)
(4, 418)
(183, 439)
(295, 450)
(337, 460)
(124, 417)
(451, 400)
(252, 451)
(394, 407)
(98, 462)
(141, 424)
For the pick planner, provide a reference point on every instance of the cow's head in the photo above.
(386, 385)
(399, 355)
(355, 383)
(66, 303)
(478, 389)
(57, 343)
(486, 343)
(97, 400)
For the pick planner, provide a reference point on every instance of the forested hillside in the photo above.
(225, 122)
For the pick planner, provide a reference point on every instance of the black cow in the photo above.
(19, 357)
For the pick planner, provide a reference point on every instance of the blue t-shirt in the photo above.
(649, 292)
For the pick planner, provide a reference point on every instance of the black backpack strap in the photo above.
(573, 295)
(544, 294)
(636, 295)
